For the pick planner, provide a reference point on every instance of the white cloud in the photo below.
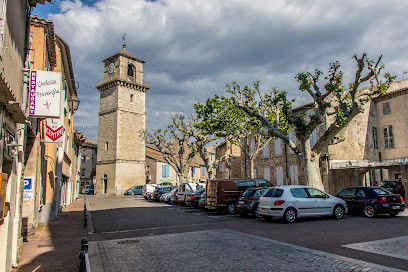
(193, 48)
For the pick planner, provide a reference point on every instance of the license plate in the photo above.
(241, 202)
(395, 207)
(264, 209)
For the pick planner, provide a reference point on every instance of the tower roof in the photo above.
(126, 54)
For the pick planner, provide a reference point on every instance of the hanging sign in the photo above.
(54, 130)
(45, 93)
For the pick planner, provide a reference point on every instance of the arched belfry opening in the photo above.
(131, 72)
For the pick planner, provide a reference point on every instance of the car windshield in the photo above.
(249, 193)
(273, 193)
(246, 184)
(264, 183)
(380, 191)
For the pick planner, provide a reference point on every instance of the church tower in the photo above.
(122, 118)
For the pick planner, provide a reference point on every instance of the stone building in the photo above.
(122, 118)
(375, 147)
(88, 165)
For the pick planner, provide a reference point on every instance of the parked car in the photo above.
(89, 189)
(201, 202)
(193, 198)
(187, 188)
(135, 190)
(372, 201)
(223, 195)
(173, 197)
(295, 201)
(148, 190)
(165, 197)
(159, 191)
(394, 186)
(248, 203)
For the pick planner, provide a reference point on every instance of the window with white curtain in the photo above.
(279, 176)
(292, 137)
(266, 151)
(278, 146)
(294, 175)
(267, 174)
(255, 173)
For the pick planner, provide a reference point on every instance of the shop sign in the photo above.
(28, 189)
(54, 130)
(45, 94)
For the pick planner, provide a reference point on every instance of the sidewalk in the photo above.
(55, 246)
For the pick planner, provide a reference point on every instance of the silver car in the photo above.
(295, 201)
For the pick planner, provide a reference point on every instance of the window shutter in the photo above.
(266, 151)
(386, 108)
(278, 146)
(279, 176)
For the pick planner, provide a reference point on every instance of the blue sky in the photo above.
(193, 48)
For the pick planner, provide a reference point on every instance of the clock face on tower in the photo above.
(111, 68)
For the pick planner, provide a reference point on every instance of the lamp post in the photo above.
(73, 103)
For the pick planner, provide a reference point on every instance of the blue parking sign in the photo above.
(28, 183)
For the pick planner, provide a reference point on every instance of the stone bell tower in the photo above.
(122, 117)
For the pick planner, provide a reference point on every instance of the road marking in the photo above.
(392, 247)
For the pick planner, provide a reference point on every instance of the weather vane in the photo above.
(124, 40)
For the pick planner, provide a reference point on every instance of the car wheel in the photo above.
(232, 208)
(256, 212)
(338, 212)
(369, 211)
(290, 215)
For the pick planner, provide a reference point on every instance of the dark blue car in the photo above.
(372, 201)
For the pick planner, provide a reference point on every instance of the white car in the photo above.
(295, 201)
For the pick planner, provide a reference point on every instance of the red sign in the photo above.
(54, 134)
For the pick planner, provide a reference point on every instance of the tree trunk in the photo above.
(311, 166)
(212, 172)
(251, 168)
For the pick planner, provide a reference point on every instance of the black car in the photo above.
(372, 201)
(193, 198)
(248, 203)
(158, 192)
(394, 186)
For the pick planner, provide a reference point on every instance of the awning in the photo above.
(8, 99)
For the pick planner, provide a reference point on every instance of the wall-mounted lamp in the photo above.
(13, 145)
(73, 103)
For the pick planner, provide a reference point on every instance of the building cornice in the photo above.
(123, 83)
(101, 113)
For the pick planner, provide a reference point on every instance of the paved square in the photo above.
(215, 250)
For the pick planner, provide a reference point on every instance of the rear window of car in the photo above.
(246, 184)
(249, 193)
(264, 183)
(380, 191)
(273, 192)
(299, 193)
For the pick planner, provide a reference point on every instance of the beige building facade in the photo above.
(122, 119)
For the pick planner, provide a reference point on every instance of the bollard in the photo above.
(84, 244)
(85, 220)
(82, 263)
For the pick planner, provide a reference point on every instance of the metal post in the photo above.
(82, 264)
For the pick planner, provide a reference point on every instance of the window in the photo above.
(266, 151)
(165, 170)
(314, 193)
(388, 137)
(273, 193)
(221, 167)
(279, 176)
(193, 170)
(203, 171)
(278, 146)
(375, 141)
(252, 145)
(267, 173)
(313, 138)
(106, 146)
(386, 108)
(83, 172)
(131, 72)
(360, 193)
(299, 193)
(294, 175)
(254, 173)
(292, 137)
(131, 97)
(347, 192)
(83, 158)
(264, 183)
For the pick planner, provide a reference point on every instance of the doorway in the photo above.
(105, 183)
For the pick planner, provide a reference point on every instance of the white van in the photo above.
(148, 190)
(187, 188)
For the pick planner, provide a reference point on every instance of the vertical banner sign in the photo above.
(45, 93)
(54, 130)
(28, 189)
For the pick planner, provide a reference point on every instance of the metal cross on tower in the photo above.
(124, 40)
